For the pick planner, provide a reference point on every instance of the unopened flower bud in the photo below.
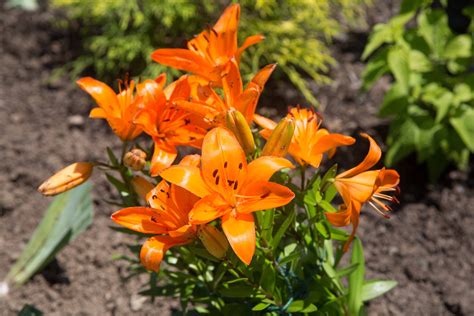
(67, 178)
(237, 123)
(141, 186)
(214, 240)
(135, 159)
(280, 139)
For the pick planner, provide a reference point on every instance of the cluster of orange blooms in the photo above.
(219, 184)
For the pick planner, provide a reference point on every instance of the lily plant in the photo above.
(250, 221)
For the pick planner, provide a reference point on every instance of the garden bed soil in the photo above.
(426, 246)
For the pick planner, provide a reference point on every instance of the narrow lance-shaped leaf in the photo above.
(375, 288)
(67, 216)
(282, 229)
(356, 278)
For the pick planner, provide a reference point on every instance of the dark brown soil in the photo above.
(426, 246)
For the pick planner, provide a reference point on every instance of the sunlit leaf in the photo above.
(67, 216)
(356, 278)
(375, 288)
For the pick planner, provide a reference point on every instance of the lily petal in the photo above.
(249, 41)
(360, 187)
(232, 83)
(229, 20)
(126, 130)
(226, 28)
(98, 113)
(340, 218)
(163, 157)
(187, 177)
(247, 102)
(208, 209)
(263, 168)
(388, 178)
(330, 141)
(373, 156)
(239, 229)
(182, 59)
(154, 249)
(264, 195)
(264, 122)
(102, 94)
(262, 76)
(179, 89)
(157, 198)
(140, 219)
(224, 166)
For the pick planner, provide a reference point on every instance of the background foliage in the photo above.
(118, 36)
(431, 99)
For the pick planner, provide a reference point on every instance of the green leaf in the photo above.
(260, 307)
(330, 193)
(267, 224)
(402, 138)
(395, 101)
(268, 277)
(282, 229)
(339, 234)
(235, 309)
(419, 62)
(440, 97)
(386, 33)
(462, 93)
(374, 288)
(67, 216)
(112, 158)
(330, 174)
(238, 290)
(119, 185)
(301, 307)
(346, 270)
(356, 278)
(464, 126)
(411, 5)
(324, 229)
(433, 26)
(398, 62)
(290, 257)
(376, 68)
(458, 47)
(30, 310)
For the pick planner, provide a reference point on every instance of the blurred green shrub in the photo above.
(431, 100)
(119, 35)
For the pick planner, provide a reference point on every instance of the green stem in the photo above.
(303, 178)
(250, 282)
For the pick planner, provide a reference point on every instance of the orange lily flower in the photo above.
(230, 189)
(309, 142)
(210, 51)
(167, 218)
(118, 109)
(360, 185)
(168, 125)
(209, 105)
